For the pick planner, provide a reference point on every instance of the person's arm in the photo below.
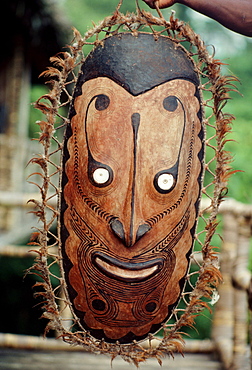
(233, 14)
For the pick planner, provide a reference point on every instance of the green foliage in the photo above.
(240, 147)
(83, 13)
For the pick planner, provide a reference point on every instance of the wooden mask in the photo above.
(132, 168)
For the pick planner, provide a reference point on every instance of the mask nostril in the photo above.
(142, 230)
(117, 228)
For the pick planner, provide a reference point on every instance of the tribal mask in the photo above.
(132, 168)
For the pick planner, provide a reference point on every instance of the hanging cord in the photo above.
(157, 9)
(119, 6)
(155, 5)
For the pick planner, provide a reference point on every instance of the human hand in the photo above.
(161, 3)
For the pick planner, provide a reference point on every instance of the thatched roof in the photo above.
(36, 25)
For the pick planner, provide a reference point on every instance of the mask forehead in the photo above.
(130, 202)
(138, 63)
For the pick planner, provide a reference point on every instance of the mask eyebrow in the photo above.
(93, 165)
(184, 125)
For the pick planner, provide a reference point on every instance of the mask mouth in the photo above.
(126, 271)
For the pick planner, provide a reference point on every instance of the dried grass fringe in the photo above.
(60, 76)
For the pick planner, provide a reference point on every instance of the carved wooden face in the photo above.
(131, 185)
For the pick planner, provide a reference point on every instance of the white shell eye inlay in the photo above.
(165, 181)
(101, 175)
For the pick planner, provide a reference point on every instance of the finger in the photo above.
(150, 3)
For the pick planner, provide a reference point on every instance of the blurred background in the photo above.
(33, 31)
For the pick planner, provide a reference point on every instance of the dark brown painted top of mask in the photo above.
(138, 63)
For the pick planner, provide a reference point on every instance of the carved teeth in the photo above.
(126, 274)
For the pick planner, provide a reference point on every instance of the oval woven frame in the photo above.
(61, 75)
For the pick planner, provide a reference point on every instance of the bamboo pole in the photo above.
(241, 278)
(230, 206)
(21, 251)
(16, 341)
(240, 273)
(236, 208)
(223, 320)
(19, 199)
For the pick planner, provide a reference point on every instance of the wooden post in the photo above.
(14, 100)
(241, 278)
(223, 321)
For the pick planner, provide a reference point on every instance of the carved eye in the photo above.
(170, 103)
(101, 175)
(165, 181)
(102, 102)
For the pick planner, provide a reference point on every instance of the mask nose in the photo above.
(131, 230)
(118, 229)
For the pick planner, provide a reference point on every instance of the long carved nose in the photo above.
(129, 229)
